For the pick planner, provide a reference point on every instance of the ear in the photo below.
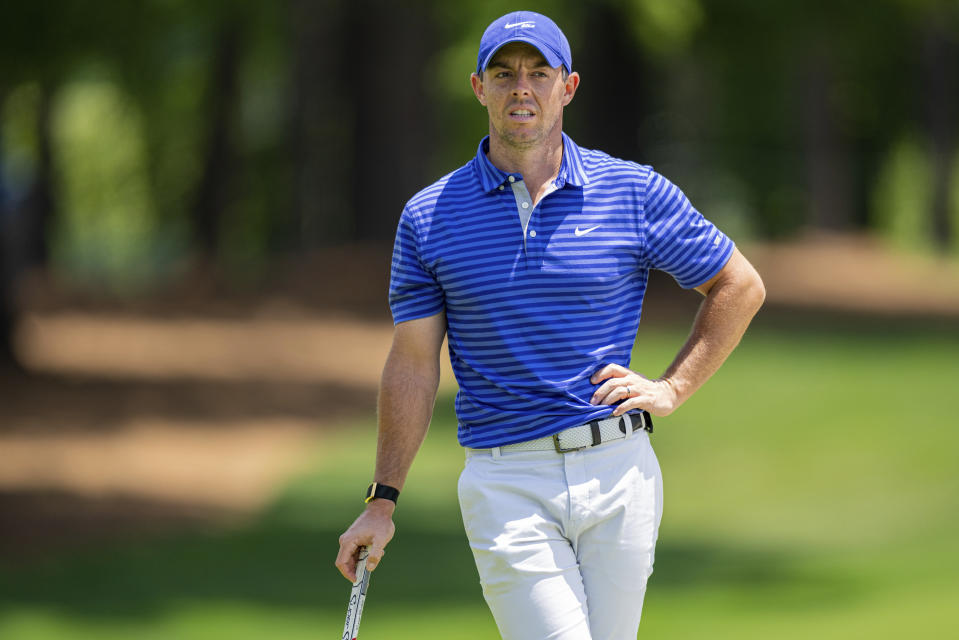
(572, 83)
(477, 84)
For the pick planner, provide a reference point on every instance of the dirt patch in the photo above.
(857, 273)
(52, 403)
(345, 352)
(233, 466)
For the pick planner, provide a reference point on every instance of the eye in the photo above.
(503, 74)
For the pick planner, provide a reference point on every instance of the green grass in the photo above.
(811, 492)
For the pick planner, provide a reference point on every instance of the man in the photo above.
(533, 260)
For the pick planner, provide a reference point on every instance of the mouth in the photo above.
(522, 114)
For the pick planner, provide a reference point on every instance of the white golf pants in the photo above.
(564, 543)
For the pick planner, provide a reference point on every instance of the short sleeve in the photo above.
(680, 241)
(414, 291)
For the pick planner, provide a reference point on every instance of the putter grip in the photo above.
(354, 610)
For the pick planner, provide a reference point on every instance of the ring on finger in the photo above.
(628, 394)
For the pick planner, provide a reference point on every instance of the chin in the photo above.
(523, 138)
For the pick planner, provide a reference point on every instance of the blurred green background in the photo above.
(197, 203)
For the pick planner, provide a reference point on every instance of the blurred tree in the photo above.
(7, 318)
(320, 122)
(34, 54)
(32, 49)
(940, 73)
(38, 210)
(902, 198)
(393, 100)
(751, 69)
(298, 125)
(826, 148)
(803, 106)
(613, 104)
(215, 187)
(159, 52)
(8, 359)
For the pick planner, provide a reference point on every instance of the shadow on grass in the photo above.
(270, 563)
(773, 578)
(288, 565)
(61, 403)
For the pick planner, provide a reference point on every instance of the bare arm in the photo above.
(407, 393)
(733, 297)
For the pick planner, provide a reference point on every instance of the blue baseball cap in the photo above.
(531, 28)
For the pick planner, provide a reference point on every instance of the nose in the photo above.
(521, 86)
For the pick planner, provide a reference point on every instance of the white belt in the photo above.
(587, 435)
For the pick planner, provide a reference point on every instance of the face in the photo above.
(523, 95)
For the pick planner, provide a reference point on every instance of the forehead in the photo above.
(517, 52)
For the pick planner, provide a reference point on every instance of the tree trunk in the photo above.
(609, 57)
(320, 124)
(941, 91)
(827, 153)
(8, 360)
(214, 191)
(389, 85)
(37, 216)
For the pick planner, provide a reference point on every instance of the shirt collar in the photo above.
(571, 171)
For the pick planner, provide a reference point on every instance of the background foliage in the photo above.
(142, 139)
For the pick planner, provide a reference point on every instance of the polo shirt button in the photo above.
(526, 205)
(501, 187)
(512, 179)
(532, 233)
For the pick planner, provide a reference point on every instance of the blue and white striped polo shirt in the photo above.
(531, 316)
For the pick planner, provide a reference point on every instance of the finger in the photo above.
(376, 553)
(611, 391)
(611, 370)
(346, 559)
(628, 405)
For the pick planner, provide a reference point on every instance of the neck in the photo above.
(537, 163)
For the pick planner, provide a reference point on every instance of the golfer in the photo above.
(532, 259)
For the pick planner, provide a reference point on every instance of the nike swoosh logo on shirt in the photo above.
(582, 232)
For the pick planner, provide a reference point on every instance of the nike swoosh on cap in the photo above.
(525, 25)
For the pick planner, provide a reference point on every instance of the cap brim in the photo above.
(551, 58)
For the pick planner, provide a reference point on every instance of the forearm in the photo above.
(722, 320)
(405, 407)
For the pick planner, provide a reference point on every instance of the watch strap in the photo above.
(377, 490)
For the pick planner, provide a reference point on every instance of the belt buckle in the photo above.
(560, 449)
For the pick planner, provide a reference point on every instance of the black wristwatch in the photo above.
(377, 490)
